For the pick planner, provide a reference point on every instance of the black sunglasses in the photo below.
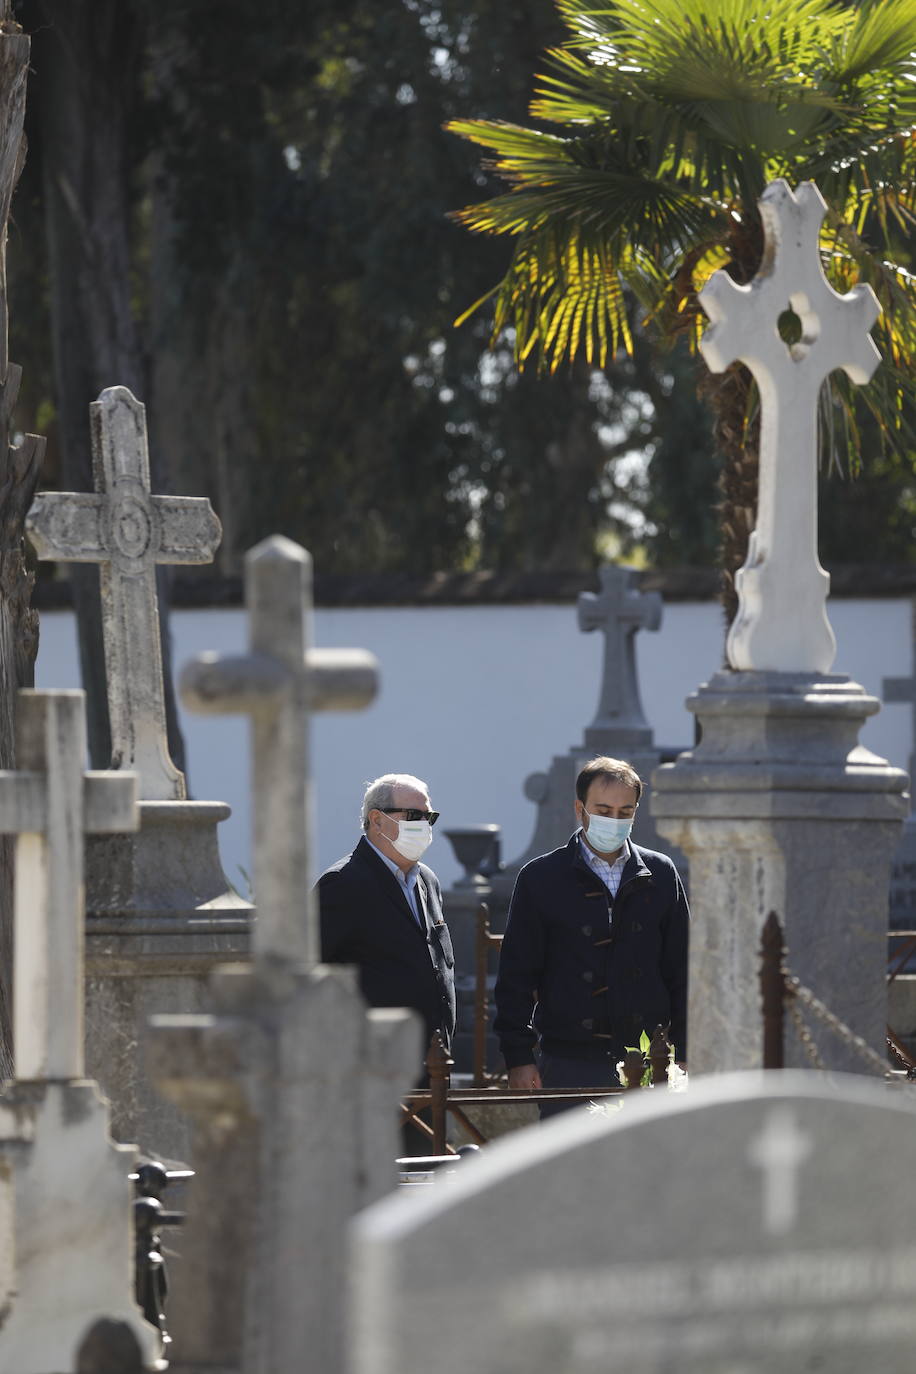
(410, 813)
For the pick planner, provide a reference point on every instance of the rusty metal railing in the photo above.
(485, 942)
(781, 993)
(440, 1099)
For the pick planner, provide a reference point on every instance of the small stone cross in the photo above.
(779, 1151)
(619, 610)
(782, 624)
(278, 683)
(903, 689)
(50, 805)
(127, 532)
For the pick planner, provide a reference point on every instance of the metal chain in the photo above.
(855, 1042)
(804, 1035)
(901, 1059)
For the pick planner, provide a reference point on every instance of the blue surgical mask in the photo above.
(606, 834)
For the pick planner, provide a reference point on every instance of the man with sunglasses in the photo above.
(381, 909)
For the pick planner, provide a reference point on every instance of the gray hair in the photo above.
(380, 793)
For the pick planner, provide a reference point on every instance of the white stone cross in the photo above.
(903, 689)
(50, 804)
(782, 623)
(779, 1151)
(619, 610)
(278, 683)
(127, 532)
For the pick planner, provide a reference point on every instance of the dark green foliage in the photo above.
(296, 278)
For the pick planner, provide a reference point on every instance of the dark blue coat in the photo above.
(366, 921)
(584, 985)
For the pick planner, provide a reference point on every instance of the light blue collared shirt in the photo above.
(408, 882)
(609, 873)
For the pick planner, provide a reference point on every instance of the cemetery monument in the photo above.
(161, 913)
(291, 1083)
(66, 1247)
(778, 803)
(752, 1225)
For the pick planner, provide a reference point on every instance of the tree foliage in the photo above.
(667, 121)
(294, 277)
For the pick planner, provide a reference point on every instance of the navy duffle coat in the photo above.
(583, 975)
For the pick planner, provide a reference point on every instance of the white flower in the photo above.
(606, 1107)
(677, 1078)
(621, 1076)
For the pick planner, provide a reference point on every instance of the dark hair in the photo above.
(611, 770)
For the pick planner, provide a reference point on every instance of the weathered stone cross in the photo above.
(782, 623)
(127, 532)
(50, 804)
(54, 1124)
(295, 1049)
(278, 683)
(619, 610)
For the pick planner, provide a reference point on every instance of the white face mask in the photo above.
(606, 834)
(413, 839)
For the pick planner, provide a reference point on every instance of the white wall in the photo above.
(473, 699)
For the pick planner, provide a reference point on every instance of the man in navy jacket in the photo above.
(595, 949)
(381, 909)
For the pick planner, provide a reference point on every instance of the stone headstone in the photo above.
(293, 1086)
(161, 912)
(732, 1229)
(65, 1217)
(778, 805)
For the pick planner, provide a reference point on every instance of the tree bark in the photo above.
(18, 478)
(87, 56)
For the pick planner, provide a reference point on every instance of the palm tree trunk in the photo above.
(87, 61)
(736, 433)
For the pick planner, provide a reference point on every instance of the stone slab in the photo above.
(755, 1223)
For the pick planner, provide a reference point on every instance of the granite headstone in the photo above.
(755, 1224)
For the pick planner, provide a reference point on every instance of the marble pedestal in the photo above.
(161, 916)
(779, 809)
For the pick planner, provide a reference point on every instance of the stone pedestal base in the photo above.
(779, 809)
(161, 916)
(65, 1225)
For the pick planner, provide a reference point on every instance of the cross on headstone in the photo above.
(619, 610)
(903, 689)
(295, 1051)
(50, 804)
(779, 1151)
(781, 623)
(69, 1244)
(278, 683)
(127, 532)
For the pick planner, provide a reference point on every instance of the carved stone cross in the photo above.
(127, 532)
(278, 684)
(779, 1151)
(782, 622)
(50, 804)
(619, 610)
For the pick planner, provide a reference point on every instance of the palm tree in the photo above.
(674, 116)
